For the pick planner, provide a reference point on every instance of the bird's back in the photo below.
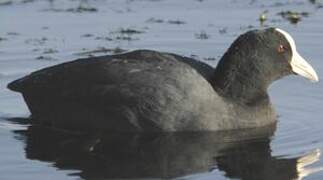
(141, 90)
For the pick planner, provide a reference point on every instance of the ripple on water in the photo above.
(297, 135)
(12, 124)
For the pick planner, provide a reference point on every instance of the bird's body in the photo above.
(147, 91)
(156, 92)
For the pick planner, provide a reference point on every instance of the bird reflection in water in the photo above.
(242, 154)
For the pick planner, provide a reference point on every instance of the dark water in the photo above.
(35, 34)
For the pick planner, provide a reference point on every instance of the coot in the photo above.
(150, 91)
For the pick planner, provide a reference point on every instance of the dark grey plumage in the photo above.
(152, 91)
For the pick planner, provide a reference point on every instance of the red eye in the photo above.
(281, 48)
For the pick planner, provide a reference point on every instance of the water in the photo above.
(36, 34)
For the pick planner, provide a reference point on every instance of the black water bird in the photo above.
(149, 91)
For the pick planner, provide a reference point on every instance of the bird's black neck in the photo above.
(235, 80)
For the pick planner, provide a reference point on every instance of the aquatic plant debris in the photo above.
(202, 35)
(125, 34)
(293, 16)
(50, 51)
(154, 20)
(126, 38)
(5, 2)
(81, 9)
(129, 31)
(87, 35)
(105, 38)
(84, 6)
(2, 39)
(12, 34)
(209, 58)
(263, 17)
(46, 58)
(178, 22)
(105, 50)
(317, 3)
